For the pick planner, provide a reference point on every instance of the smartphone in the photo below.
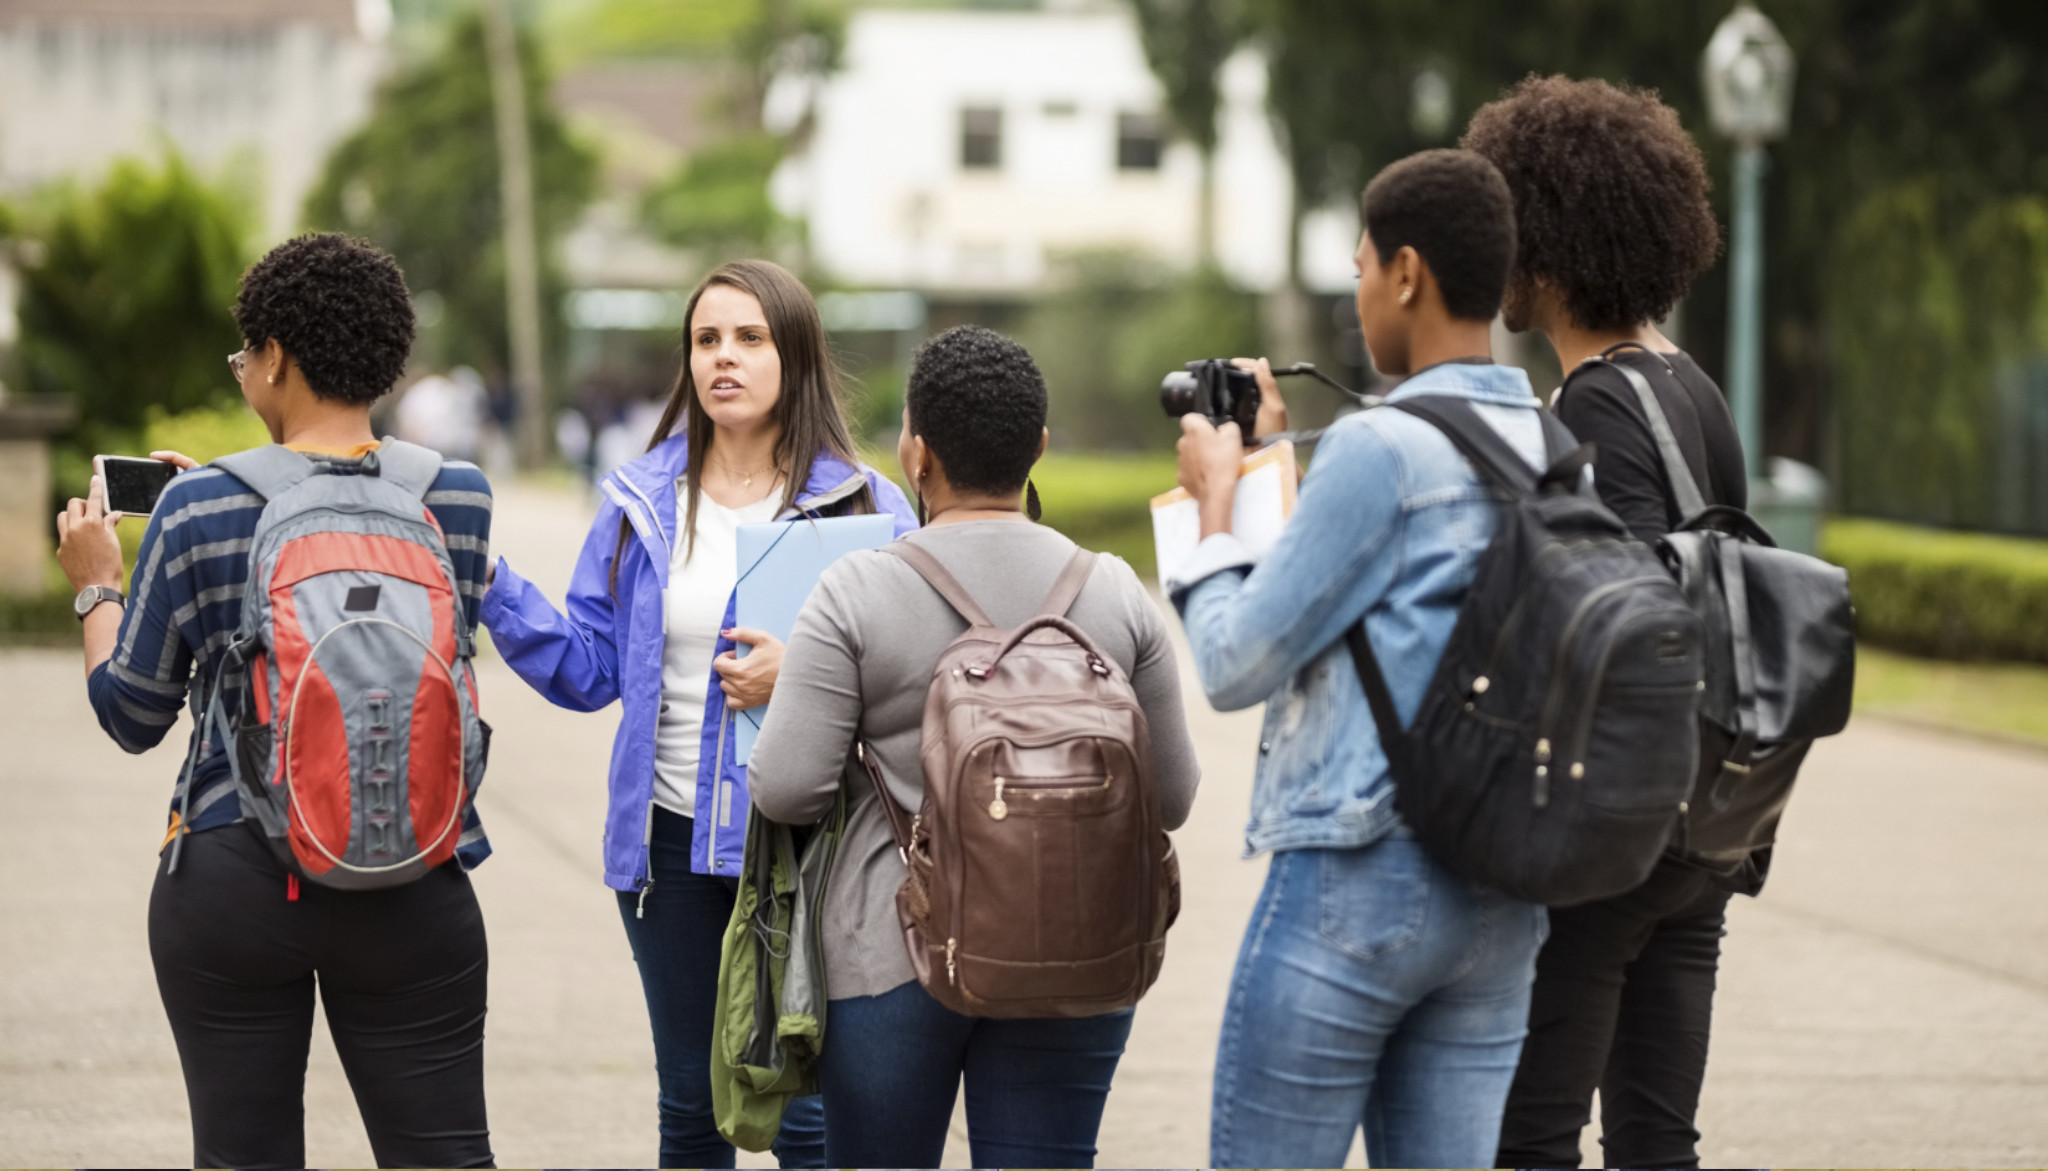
(133, 484)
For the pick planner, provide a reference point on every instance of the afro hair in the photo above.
(338, 306)
(1610, 198)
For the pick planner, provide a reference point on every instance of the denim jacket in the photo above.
(1390, 524)
(606, 648)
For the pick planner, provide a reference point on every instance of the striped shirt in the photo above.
(185, 601)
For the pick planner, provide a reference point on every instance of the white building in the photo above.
(274, 83)
(960, 152)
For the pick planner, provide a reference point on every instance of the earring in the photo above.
(1406, 294)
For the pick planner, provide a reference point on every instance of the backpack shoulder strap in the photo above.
(406, 465)
(1067, 587)
(1475, 438)
(941, 579)
(1685, 487)
(268, 471)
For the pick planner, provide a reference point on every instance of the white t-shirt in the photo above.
(698, 591)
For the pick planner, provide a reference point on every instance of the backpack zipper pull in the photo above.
(996, 808)
(640, 908)
(951, 945)
(291, 888)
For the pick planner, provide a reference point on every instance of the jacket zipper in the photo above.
(1554, 700)
(646, 862)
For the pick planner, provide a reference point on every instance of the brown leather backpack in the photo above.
(1040, 882)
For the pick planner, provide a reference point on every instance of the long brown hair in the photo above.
(809, 409)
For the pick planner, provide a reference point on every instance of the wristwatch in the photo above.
(91, 596)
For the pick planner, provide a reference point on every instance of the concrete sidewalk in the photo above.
(1885, 1002)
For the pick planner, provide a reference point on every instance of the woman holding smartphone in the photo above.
(753, 432)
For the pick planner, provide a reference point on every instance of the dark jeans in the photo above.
(675, 946)
(1624, 1003)
(401, 973)
(1035, 1088)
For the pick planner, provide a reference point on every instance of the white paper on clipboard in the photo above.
(1266, 485)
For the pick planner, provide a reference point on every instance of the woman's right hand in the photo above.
(178, 460)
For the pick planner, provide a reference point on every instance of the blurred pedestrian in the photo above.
(859, 666)
(1614, 226)
(1375, 987)
(238, 942)
(753, 432)
(444, 413)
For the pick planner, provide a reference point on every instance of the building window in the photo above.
(1139, 139)
(981, 138)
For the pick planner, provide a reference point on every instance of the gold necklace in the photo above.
(746, 478)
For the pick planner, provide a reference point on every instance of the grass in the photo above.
(2006, 700)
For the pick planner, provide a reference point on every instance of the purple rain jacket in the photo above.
(603, 650)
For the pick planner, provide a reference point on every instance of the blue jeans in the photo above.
(1035, 1088)
(1375, 989)
(676, 948)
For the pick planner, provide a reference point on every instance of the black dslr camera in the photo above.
(1226, 394)
(1215, 388)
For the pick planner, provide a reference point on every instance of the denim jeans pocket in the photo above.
(1374, 901)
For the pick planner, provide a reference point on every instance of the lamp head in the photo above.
(1748, 72)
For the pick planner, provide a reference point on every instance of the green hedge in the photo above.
(1945, 594)
(1104, 501)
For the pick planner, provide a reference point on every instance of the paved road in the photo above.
(1885, 1003)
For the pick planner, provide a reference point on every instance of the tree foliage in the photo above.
(717, 200)
(420, 179)
(1186, 43)
(125, 295)
(1909, 116)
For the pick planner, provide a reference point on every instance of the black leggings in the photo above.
(1623, 1003)
(401, 973)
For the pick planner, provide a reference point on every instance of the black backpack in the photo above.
(1780, 653)
(1552, 753)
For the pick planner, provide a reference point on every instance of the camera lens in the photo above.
(1177, 393)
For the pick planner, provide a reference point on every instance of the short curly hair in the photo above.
(1452, 208)
(1610, 198)
(978, 401)
(338, 306)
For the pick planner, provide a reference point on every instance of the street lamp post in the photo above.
(1747, 69)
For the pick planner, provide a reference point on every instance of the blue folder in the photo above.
(779, 564)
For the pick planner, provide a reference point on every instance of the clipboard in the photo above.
(779, 565)
(1266, 486)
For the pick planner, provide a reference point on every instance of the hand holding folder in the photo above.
(1266, 486)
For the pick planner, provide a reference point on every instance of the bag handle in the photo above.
(1685, 487)
(269, 471)
(1097, 661)
(941, 579)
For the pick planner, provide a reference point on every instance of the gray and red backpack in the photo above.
(356, 745)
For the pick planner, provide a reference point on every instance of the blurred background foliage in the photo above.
(1111, 326)
(125, 289)
(420, 178)
(717, 201)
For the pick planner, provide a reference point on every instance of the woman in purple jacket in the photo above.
(650, 622)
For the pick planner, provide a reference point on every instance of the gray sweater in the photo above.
(857, 666)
